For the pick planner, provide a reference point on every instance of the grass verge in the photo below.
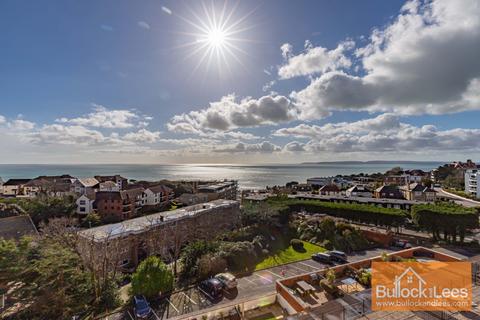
(289, 255)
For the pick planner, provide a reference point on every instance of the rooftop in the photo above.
(16, 227)
(140, 224)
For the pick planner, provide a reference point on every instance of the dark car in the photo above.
(141, 307)
(338, 256)
(404, 244)
(322, 257)
(212, 288)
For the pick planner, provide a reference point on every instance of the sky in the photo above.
(269, 81)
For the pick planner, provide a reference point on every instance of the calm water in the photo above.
(249, 176)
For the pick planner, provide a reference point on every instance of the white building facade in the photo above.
(472, 181)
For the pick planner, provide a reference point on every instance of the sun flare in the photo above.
(216, 36)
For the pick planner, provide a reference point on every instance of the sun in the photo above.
(216, 38)
(217, 35)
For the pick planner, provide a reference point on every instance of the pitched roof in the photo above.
(108, 195)
(329, 188)
(16, 227)
(359, 188)
(131, 194)
(387, 189)
(417, 187)
(16, 182)
(160, 188)
(108, 184)
(88, 182)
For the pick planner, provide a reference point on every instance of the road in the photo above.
(460, 200)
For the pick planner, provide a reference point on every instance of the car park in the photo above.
(141, 307)
(338, 256)
(212, 288)
(322, 257)
(228, 280)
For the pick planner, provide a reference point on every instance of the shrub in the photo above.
(152, 277)
(209, 265)
(296, 244)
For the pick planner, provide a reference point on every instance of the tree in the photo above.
(192, 253)
(152, 277)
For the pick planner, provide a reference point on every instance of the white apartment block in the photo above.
(472, 181)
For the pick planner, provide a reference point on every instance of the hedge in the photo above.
(351, 211)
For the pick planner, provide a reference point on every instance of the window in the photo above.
(82, 209)
(82, 202)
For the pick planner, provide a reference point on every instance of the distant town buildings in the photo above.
(221, 190)
(418, 192)
(388, 192)
(472, 181)
(358, 190)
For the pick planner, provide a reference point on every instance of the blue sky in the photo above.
(123, 81)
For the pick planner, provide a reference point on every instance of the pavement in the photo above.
(457, 199)
(259, 283)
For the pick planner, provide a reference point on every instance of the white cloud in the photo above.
(3, 120)
(166, 10)
(20, 124)
(264, 147)
(144, 25)
(142, 136)
(384, 133)
(314, 60)
(69, 135)
(102, 117)
(228, 114)
(426, 61)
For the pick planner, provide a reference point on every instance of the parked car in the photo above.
(141, 307)
(338, 256)
(404, 244)
(229, 281)
(322, 257)
(212, 288)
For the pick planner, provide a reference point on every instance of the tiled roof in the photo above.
(88, 182)
(16, 182)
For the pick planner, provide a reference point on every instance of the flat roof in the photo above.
(140, 224)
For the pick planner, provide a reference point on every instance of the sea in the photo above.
(248, 176)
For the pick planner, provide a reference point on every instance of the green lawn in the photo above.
(288, 255)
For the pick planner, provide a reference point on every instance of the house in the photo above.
(52, 186)
(329, 190)
(120, 181)
(318, 181)
(358, 190)
(418, 192)
(157, 195)
(14, 187)
(189, 199)
(108, 186)
(388, 192)
(85, 204)
(85, 185)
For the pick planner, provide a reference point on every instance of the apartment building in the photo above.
(118, 205)
(220, 190)
(127, 242)
(472, 181)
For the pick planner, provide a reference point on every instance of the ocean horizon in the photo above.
(248, 176)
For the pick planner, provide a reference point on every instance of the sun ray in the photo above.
(217, 36)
